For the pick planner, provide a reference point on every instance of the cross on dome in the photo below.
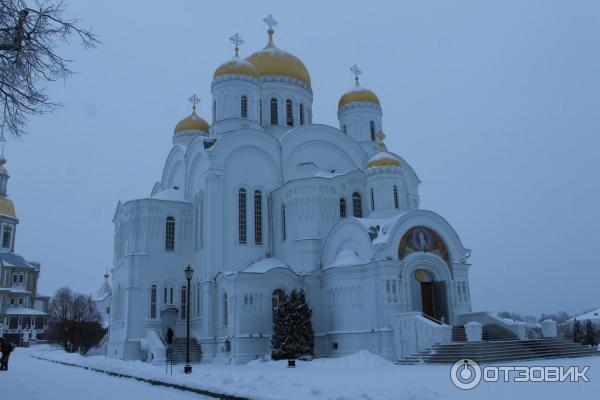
(237, 41)
(380, 138)
(195, 100)
(357, 72)
(271, 22)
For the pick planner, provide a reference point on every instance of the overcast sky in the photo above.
(495, 104)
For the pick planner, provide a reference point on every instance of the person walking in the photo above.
(5, 348)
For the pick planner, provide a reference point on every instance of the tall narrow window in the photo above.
(301, 114)
(225, 309)
(345, 129)
(276, 300)
(214, 111)
(244, 107)
(343, 208)
(283, 230)
(258, 217)
(7, 236)
(372, 200)
(198, 300)
(260, 111)
(184, 308)
(396, 202)
(242, 216)
(170, 234)
(153, 290)
(289, 113)
(171, 296)
(356, 205)
(372, 129)
(274, 119)
(165, 296)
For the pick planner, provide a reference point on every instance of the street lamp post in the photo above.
(189, 272)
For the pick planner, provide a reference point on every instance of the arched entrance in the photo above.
(430, 294)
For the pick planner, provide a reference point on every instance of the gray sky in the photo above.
(493, 103)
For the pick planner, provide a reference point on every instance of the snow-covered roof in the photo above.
(265, 265)
(170, 194)
(105, 290)
(23, 311)
(593, 315)
(385, 226)
(10, 259)
(346, 257)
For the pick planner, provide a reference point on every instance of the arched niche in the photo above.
(422, 239)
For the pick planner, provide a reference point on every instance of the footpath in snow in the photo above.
(363, 376)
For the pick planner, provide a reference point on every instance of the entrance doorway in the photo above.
(433, 296)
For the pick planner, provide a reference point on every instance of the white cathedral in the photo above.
(264, 201)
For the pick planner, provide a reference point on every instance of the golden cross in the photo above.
(380, 138)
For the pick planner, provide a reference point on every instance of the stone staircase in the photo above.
(498, 345)
(179, 350)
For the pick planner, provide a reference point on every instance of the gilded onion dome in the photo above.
(236, 66)
(194, 122)
(274, 61)
(358, 93)
(383, 158)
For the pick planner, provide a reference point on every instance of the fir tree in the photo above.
(293, 334)
(589, 337)
(577, 332)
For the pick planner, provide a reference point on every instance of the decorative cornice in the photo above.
(359, 104)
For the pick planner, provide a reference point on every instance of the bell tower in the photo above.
(8, 217)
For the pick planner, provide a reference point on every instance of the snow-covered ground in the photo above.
(359, 376)
(31, 379)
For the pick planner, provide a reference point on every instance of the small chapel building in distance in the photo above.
(264, 200)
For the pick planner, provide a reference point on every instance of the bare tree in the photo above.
(74, 321)
(30, 32)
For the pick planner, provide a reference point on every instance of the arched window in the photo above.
(276, 299)
(184, 305)
(244, 107)
(396, 202)
(153, 290)
(372, 129)
(170, 234)
(356, 205)
(343, 208)
(258, 217)
(225, 309)
(283, 230)
(301, 114)
(274, 117)
(289, 113)
(242, 216)
(345, 129)
(214, 111)
(372, 200)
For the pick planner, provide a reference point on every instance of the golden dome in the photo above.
(383, 159)
(358, 94)
(274, 61)
(236, 66)
(7, 207)
(192, 123)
